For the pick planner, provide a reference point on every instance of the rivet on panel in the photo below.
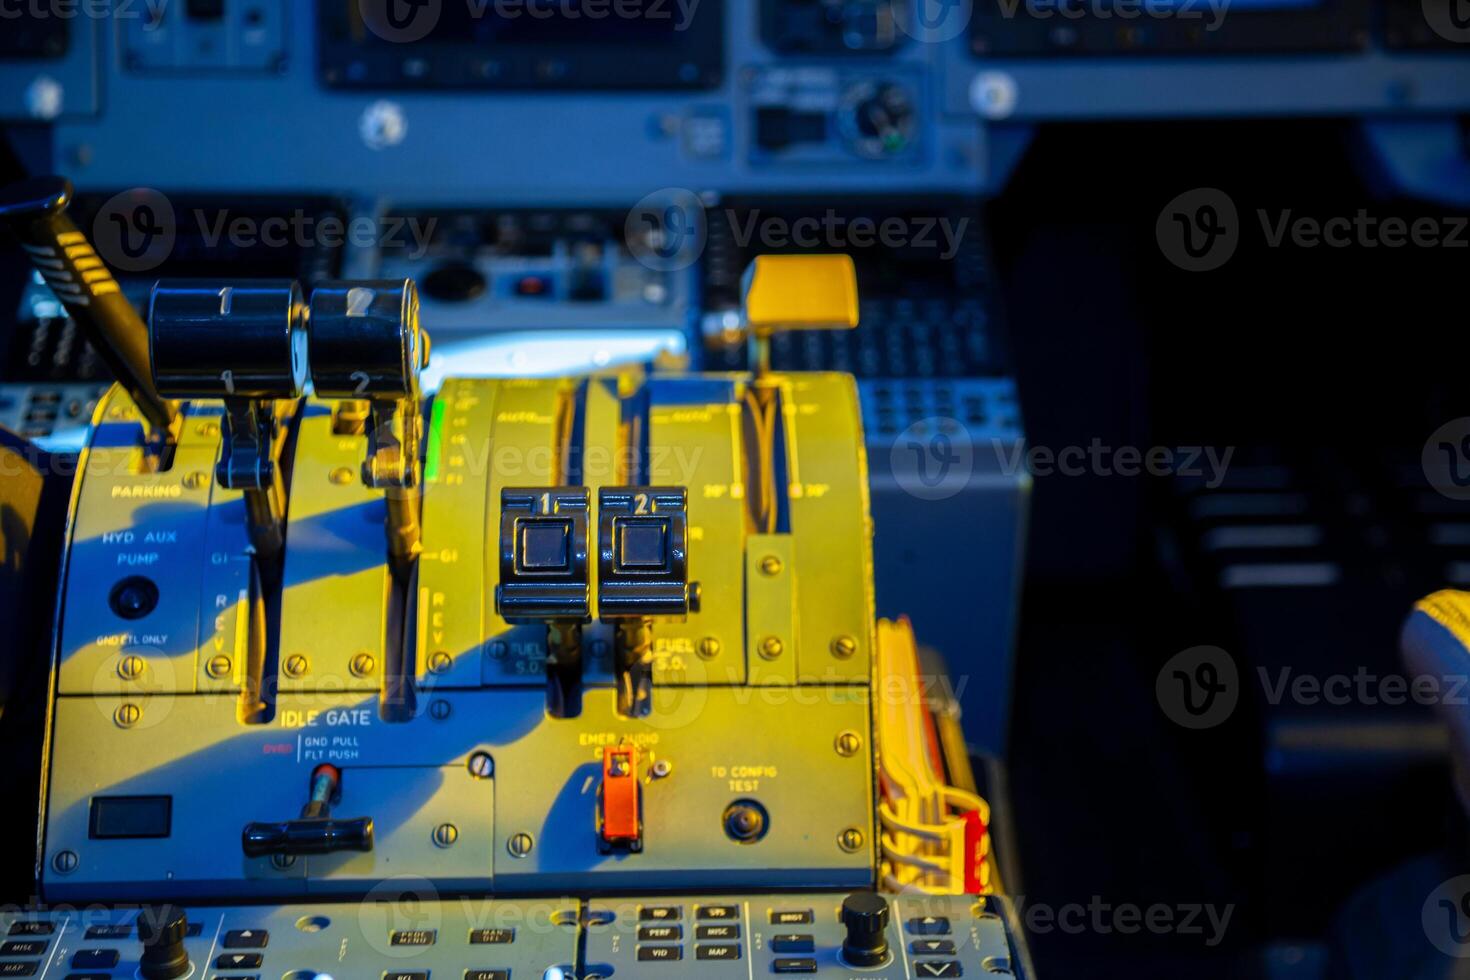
(771, 648)
(297, 665)
(362, 665)
(848, 744)
(843, 647)
(521, 845)
(127, 715)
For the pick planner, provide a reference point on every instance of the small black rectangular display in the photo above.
(522, 44)
(131, 817)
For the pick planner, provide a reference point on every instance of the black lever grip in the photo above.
(308, 836)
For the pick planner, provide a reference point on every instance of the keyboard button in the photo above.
(109, 932)
(723, 952)
(931, 969)
(398, 975)
(719, 912)
(660, 954)
(794, 965)
(487, 975)
(932, 947)
(929, 925)
(95, 959)
(660, 934)
(247, 939)
(24, 947)
(238, 961)
(492, 937)
(31, 929)
(20, 968)
(727, 930)
(792, 917)
(792, 942)
(660, 913)
(414, 937)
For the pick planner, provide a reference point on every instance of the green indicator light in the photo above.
(436, 424)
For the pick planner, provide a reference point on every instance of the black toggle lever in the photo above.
(315, 831)
(642, 575)
(35, 209)
(243, 342)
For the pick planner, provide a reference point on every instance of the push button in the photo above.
(238, 961)
(109, 932)
(728, 930)
(792, 917)
(929, 969)
(414, 937)
(660, 934)
(930, 925)
(932, 947)
(660, 954)
(20, 968)
(95, 959)
(487, 975)
(660, 913)
(23, 947)
(247, 939)
(722, 952)
(794, 965)
(793, 943)
(492, 937)
(406, 975)
(720, 913)
(545, 546)
(32, 928)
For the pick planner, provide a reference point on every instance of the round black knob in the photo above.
(162, 929)
(865, 914)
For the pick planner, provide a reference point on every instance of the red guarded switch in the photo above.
(619, 822)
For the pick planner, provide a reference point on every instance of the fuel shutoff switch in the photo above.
(619, 805)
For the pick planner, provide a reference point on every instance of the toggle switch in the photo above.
(544, 579)
(619, 801)
(642, 575)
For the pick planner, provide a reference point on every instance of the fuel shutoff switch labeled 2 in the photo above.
(619, 801)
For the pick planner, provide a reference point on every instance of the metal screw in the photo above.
(771, 648)
(207, 429)
(498, 650)
(848, 744)
(340, 476)
(282, 861)
(362, 665)
(130, 668)
(445, 835)
(65, 862)
(709, 648)
(844, 647)
(439, 709)
(297, 665)
(520, 845)
(218, 666)
(850, 840)
(127, 715)
(440, 662)
(771, 565)
(661, 769)
(481, 765)
(195, 480)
